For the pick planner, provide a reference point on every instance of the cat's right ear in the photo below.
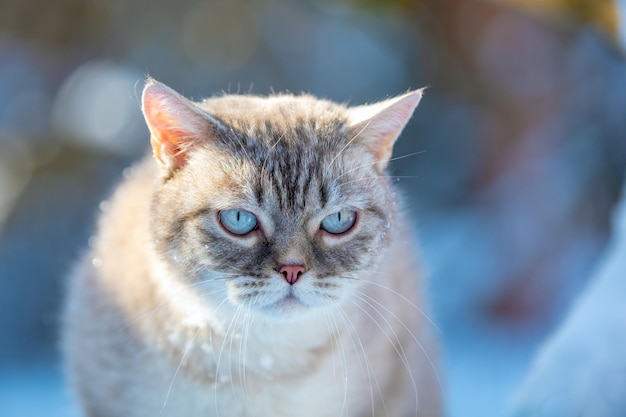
(378, 125)
(175, 123)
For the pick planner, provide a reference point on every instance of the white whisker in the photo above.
(369, 164)
(225, 337)
(267, 155)
(354, 335)
(350, 142)
(334, 331)
(183, 358)
(243, 353)
(411, 303)
(410, 332)
(374, 177)
(397, 345)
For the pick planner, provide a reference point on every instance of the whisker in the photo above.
(267, 155)
(397, 346)
(144, 317)
(413, 336)
(376, 162)
(332, 344)
(404, 298)
(236, 140)
(334, 331)
(188, 347)
(233, 335)
(355, 337)
(148, 314)
(350, 142)
(377, 177)
(219, 358)
(243, 352)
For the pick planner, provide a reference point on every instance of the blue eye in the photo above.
(340, 222)
(238, 222)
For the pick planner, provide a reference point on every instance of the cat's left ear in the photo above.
(176, 124)
(378, 125)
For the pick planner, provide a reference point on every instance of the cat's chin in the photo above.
(290, 307)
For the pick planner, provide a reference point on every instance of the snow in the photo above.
(581, 370)
(35, 390)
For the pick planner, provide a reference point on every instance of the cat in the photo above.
(258, 264)
(581, 369)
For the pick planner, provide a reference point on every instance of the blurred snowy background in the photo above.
(522, 141)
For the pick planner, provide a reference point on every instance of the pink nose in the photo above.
(291, 273)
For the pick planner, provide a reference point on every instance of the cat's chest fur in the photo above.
(259, 265)
(247, 375)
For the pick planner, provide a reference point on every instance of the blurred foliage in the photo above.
(601, 14)
(59, 23)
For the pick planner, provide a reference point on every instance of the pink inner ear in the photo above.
(164, 140)
(172, 122)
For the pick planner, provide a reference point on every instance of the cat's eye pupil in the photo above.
(238, 222)
(339, 222)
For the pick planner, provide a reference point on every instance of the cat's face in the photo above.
(278, 204)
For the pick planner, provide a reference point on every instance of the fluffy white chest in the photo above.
(256, 379)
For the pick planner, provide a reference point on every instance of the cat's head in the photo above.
(277, 203)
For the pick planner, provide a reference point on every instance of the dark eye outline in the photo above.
(220, 220)
(342, 231)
